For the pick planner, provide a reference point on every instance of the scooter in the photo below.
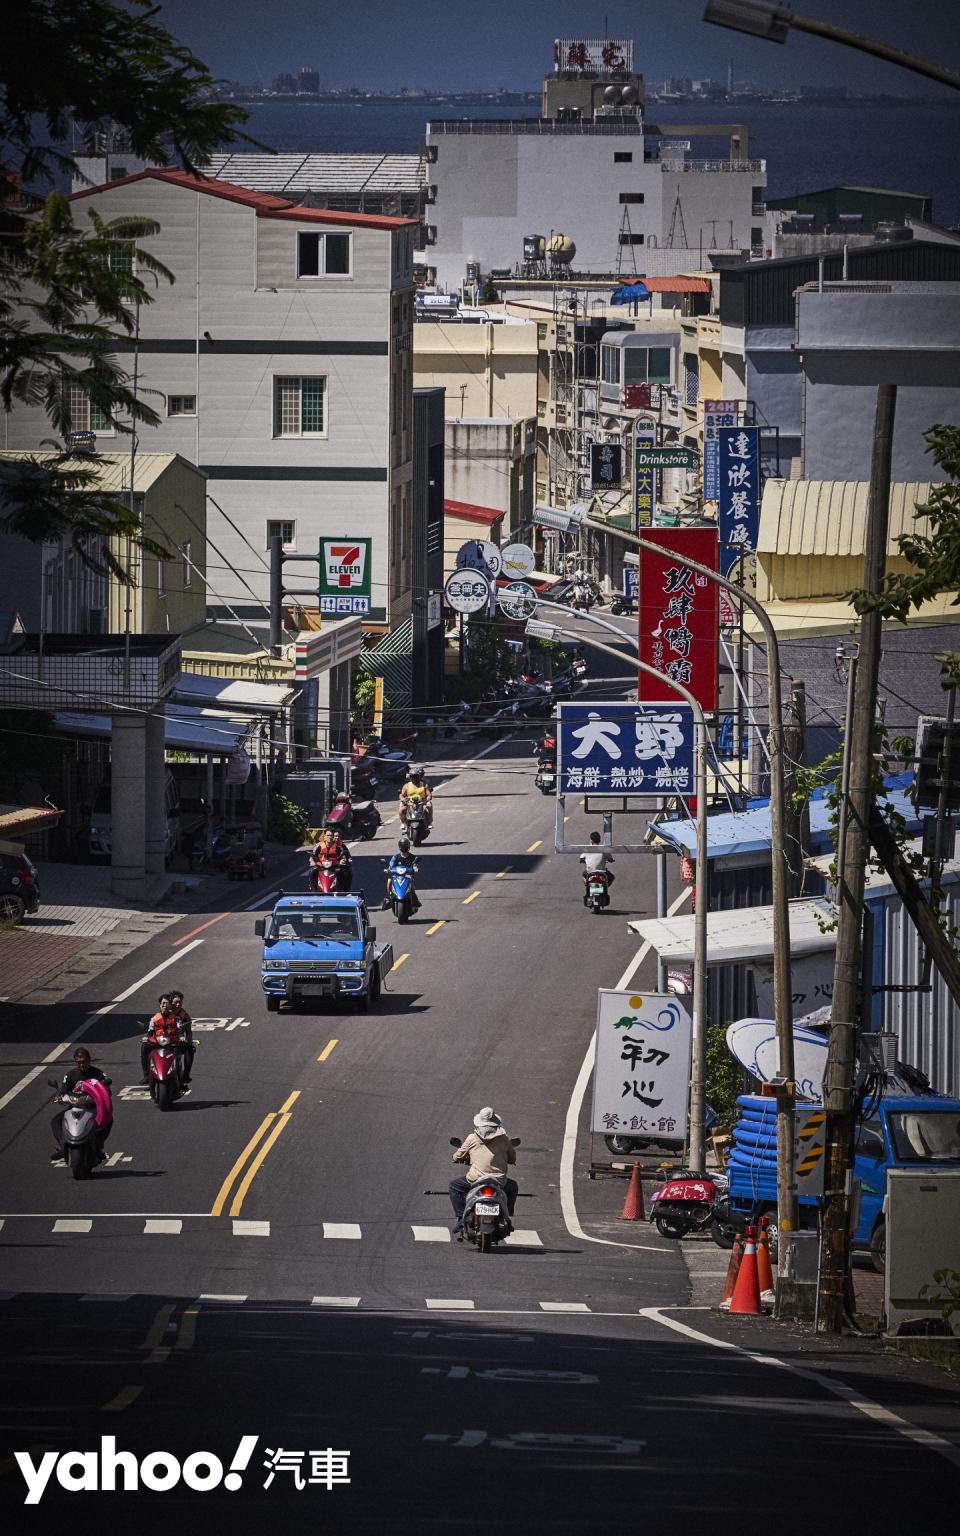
(347, 816)
(166, 1084)
(327, 876)
(546, 780)
(691, 1202)
(400, 892)
(623, 604)
(486, 1215)
(81, 1146)
(418, 822)
(598, 890)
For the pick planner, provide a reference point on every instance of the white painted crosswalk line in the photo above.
(563, 1306)
(216, 1296)
(524, 1239)
(251, 1228)
(436, 1304)
(167, 1228)
(343, 1229)
(72, 1226)
(431, 1234)
(335, 1301)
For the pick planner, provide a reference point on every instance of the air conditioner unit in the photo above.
(430, 192)
(430, 234)
(430, 153)
(556, 415)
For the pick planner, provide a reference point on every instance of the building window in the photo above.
(631, 197)
(623, 157)
(323, 255)
(121, 259)
(85, 416)
(286, 531)
(187, 552)
(756, 236)
(181, 405)
(658, 365)
(626, 238)
(610, 364)
(299, 407)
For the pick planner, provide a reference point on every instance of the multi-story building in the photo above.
(281, 363)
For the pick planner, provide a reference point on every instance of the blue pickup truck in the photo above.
(321, 947)
(904, 1130)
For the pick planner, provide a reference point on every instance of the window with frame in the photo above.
(121, 259)
(85, 415)
(632, 197)
(181, 405)
(323, 255)
(300, 406)
(285, 529)
(646, 365)
(626, 238)
(623, 157)
(610, 364)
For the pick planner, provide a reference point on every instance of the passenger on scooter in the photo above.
(596, 860)
(488, 1152)
(416, 789)
(546, 748)
(164, 1022)
(332, 846)
(82, 1070)
(403, 858)
(185, 1025)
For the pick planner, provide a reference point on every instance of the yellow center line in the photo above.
(158, 1327)
(472, 897)
(327, 1050)
(123, 1399)
(534, 846)
(188, 1328)
(398, 962)
(225, 1187)
(251, 1173)
(436, 927)
(504, 872)
(288, 1104)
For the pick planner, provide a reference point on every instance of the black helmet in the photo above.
(404, 845)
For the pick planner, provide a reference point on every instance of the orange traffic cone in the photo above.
(733, 1268)
(633, 1205)
(764, 1266)
(745, 1300)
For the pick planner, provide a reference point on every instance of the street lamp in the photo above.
(760, 18)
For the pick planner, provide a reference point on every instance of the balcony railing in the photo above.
(672, 164)
(547, 126)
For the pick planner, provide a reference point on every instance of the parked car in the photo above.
(19, 886)
(101, 820)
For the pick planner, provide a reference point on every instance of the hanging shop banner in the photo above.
(617, 749)
(344, 576)
(641, 1076)
(738, 512)
(679, 616)
(606, 466)
(644, 477)
(716, 414)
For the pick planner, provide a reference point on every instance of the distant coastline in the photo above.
(449, 98)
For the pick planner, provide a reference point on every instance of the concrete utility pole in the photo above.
(859, 754)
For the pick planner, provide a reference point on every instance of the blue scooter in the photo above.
(401, 897)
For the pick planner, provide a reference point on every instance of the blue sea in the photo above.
(904, 147)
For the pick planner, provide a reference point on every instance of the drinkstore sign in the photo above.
(344, 576)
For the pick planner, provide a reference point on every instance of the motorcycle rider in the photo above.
(82, 1070)
(331, 846)
(416, 789)
(597, 859)
(164, 1022)
(488, 1153)
(404, 856)
(185, 1025)
(545, 750)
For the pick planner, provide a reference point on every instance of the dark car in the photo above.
(19, 887)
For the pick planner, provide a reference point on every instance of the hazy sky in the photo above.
(383, 44)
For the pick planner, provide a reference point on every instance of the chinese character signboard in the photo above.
(716, 414)
(678, 616)
(344, 576)
(641, 1077)
(619, 749)
(636, 397)
(593, 55)
(738, 513)
(644, 478)
(606, 465)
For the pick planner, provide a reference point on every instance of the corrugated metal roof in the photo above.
(745, 933)
(112, 469)
(232, 693)
(192, 730)
(264, 204)
(290, 173)
(472, 513)
(829, 517)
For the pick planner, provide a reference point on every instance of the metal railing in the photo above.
(547, 126)
(672, 164)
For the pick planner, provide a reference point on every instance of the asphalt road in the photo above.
(269, 1260)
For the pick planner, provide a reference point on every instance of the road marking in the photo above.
(163, 966)
(436, 927)
(472, 897)
(397, 963)
(520, 1238)
(288, 1103)
(283, 1121)
(72, 1226)
(225, 1187)
(158, 1328)
(563, 1306)
(864, 1405)
(335, 1301)
(163, 1228)
(534, 846)
(251, 1229)
(431, 1234)
(568, 1204)
(503, 872)
(486, 751)
(565, 820)
(344, 1229)
(253, 905)
(187, 1336)
(327, 1050)
(214, 1296)
(123, 1399)
(438, 1304)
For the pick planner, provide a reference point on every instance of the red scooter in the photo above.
(690, 1202)
(328, 876)
(166, 1083)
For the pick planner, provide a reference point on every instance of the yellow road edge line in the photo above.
(398, 962)
(157, 1356)
(472, 897)
(288, 1103)
(123, 1399)
(504, 872)
(188, 1329)
(436, 926)
(158, 1327)
(254, 1168)
(327, 1050)
(534, 846)
(221, 1199)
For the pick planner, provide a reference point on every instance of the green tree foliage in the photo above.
(724, 1075)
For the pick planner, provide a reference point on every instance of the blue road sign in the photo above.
(618, 749)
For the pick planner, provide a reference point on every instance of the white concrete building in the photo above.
(281, 363)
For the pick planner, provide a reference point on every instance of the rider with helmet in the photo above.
(403, 858)
(331, 846)
(416, 789)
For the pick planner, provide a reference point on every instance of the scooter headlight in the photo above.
(162, 1039)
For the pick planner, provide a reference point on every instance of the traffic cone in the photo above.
(736, 1253)
(764, 1266)
(633, 1205)
(745, 1300)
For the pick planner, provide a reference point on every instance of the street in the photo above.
(273, 1258)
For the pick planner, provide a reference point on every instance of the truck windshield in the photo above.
(926, 1136)
(339, 926)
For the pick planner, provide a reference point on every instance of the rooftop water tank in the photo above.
(562, 249)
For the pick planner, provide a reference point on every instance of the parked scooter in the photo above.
(400, 891)
(350, 818)
(486, 1215)
(79, 1131)
(622, 604)
(389, 762)
(691, 1202)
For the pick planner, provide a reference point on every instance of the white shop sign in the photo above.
(641, 1075)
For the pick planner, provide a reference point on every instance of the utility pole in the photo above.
(796, 818)
(859, 750)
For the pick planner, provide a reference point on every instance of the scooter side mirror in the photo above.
(514, 1141)
(454, 1140)
(52, 1083)
(260, 927)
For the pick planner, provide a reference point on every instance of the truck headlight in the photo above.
(350, 965)
(275, 965)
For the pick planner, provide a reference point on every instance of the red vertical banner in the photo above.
(679, 616)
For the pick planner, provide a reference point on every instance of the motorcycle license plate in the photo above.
(598, 890)
(487, 1210)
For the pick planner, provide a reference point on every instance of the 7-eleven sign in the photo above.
(344, 576)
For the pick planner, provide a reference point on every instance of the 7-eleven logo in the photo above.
(345, 565)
